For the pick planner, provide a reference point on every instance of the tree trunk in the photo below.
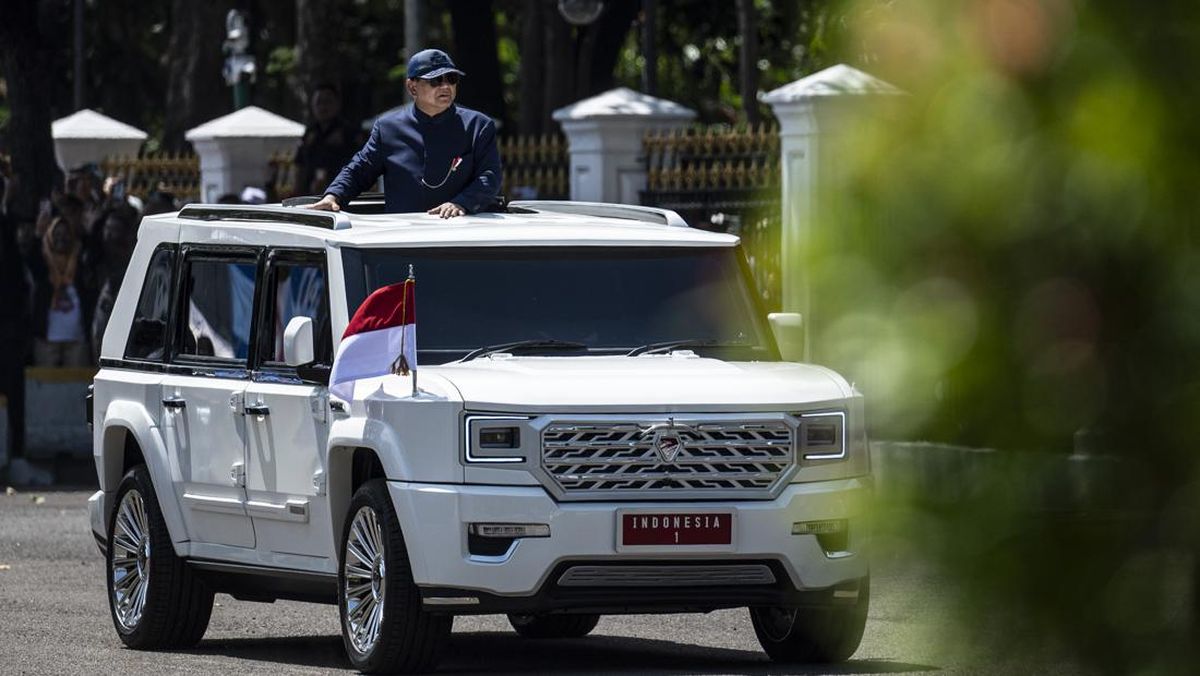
(416, 14)
(316, 49)
(29, 35)
(475, 52)
(559, 63)
(601, 47)
(650, 47)
(196, 90)
(748, 61)
(532, 72)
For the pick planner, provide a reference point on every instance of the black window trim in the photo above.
(218, 367)
(278, 372)
(169, 328)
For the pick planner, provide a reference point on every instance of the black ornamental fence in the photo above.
(176, 173)
(724, 179)
(535, 167)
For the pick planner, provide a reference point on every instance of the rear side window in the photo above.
(148, 333)
(219, 309)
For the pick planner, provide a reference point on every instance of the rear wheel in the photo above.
(155, 599)
(384, 627)
(813, 635)
(553, 626)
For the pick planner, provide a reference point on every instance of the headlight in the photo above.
(823, 435)
(495, 438)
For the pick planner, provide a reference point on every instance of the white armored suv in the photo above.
(601, 423)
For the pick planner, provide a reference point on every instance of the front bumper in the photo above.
(434, 519)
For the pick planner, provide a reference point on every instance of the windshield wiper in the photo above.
(535, 344)
(667, 345)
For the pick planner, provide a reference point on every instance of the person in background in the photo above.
(160, 202)
(61, 311)
(253, 195)
(32, 268)
(435, 156)
(15, 279)
(85, 184)
(118, 234)
(329, 141)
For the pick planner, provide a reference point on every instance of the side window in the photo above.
(219, 309)
(297, 290)
(148, 333)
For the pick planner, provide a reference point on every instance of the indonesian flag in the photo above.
(380, 339)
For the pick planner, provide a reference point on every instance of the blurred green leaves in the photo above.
(1006, 259)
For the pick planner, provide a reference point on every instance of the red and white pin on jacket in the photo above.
(380, 339)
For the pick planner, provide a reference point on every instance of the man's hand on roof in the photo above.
(447, 210)
(326, 203)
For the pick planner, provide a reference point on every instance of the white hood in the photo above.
(674, 382)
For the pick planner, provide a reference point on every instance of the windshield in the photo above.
(612, 300)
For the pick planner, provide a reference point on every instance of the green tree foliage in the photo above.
(1008, 260)
(698, 51)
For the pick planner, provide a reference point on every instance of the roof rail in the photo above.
(366, 203)
(305, 200)
(630, 212)
(328, 220)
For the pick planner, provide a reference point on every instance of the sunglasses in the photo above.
(449, 78)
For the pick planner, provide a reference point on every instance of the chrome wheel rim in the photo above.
(777, 622)
(130, 568)
(365, 574)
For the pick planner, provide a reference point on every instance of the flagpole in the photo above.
(413, 279)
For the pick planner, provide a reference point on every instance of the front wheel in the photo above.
(813, 635)
(553, 626)
(155, 599)
(384, 627)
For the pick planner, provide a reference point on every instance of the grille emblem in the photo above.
(666, 440)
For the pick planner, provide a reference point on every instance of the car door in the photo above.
(287, 424)
(203, 393)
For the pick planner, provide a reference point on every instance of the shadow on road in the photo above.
(501, 653)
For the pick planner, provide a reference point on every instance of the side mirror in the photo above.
(789, 334)
(298, 341)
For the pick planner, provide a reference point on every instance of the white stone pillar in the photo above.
(815, 113)
(235, 149)
(604, 140)
(88, 136)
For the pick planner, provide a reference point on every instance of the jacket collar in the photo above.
(434, 119)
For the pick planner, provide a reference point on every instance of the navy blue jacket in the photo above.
(413, 151)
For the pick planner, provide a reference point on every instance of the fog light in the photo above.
(819, 527)
(833, 535)
(498, 539)
(510, 530)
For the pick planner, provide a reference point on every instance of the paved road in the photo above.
(54, 618)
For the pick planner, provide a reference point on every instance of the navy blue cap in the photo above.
(430, 63)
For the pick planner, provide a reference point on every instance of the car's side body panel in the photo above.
(118, 416)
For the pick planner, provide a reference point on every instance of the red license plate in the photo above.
(704, 528)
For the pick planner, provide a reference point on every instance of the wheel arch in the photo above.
(130, 436)
(350, 465)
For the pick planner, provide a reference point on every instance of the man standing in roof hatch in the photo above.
(434, 156)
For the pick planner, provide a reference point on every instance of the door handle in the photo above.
(258, 409)
(174, 403)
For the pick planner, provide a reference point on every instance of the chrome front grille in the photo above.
(667, 458)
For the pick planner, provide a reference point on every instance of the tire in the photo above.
(155, 600)
(813, 635)
(384, 628)
(553, 626)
